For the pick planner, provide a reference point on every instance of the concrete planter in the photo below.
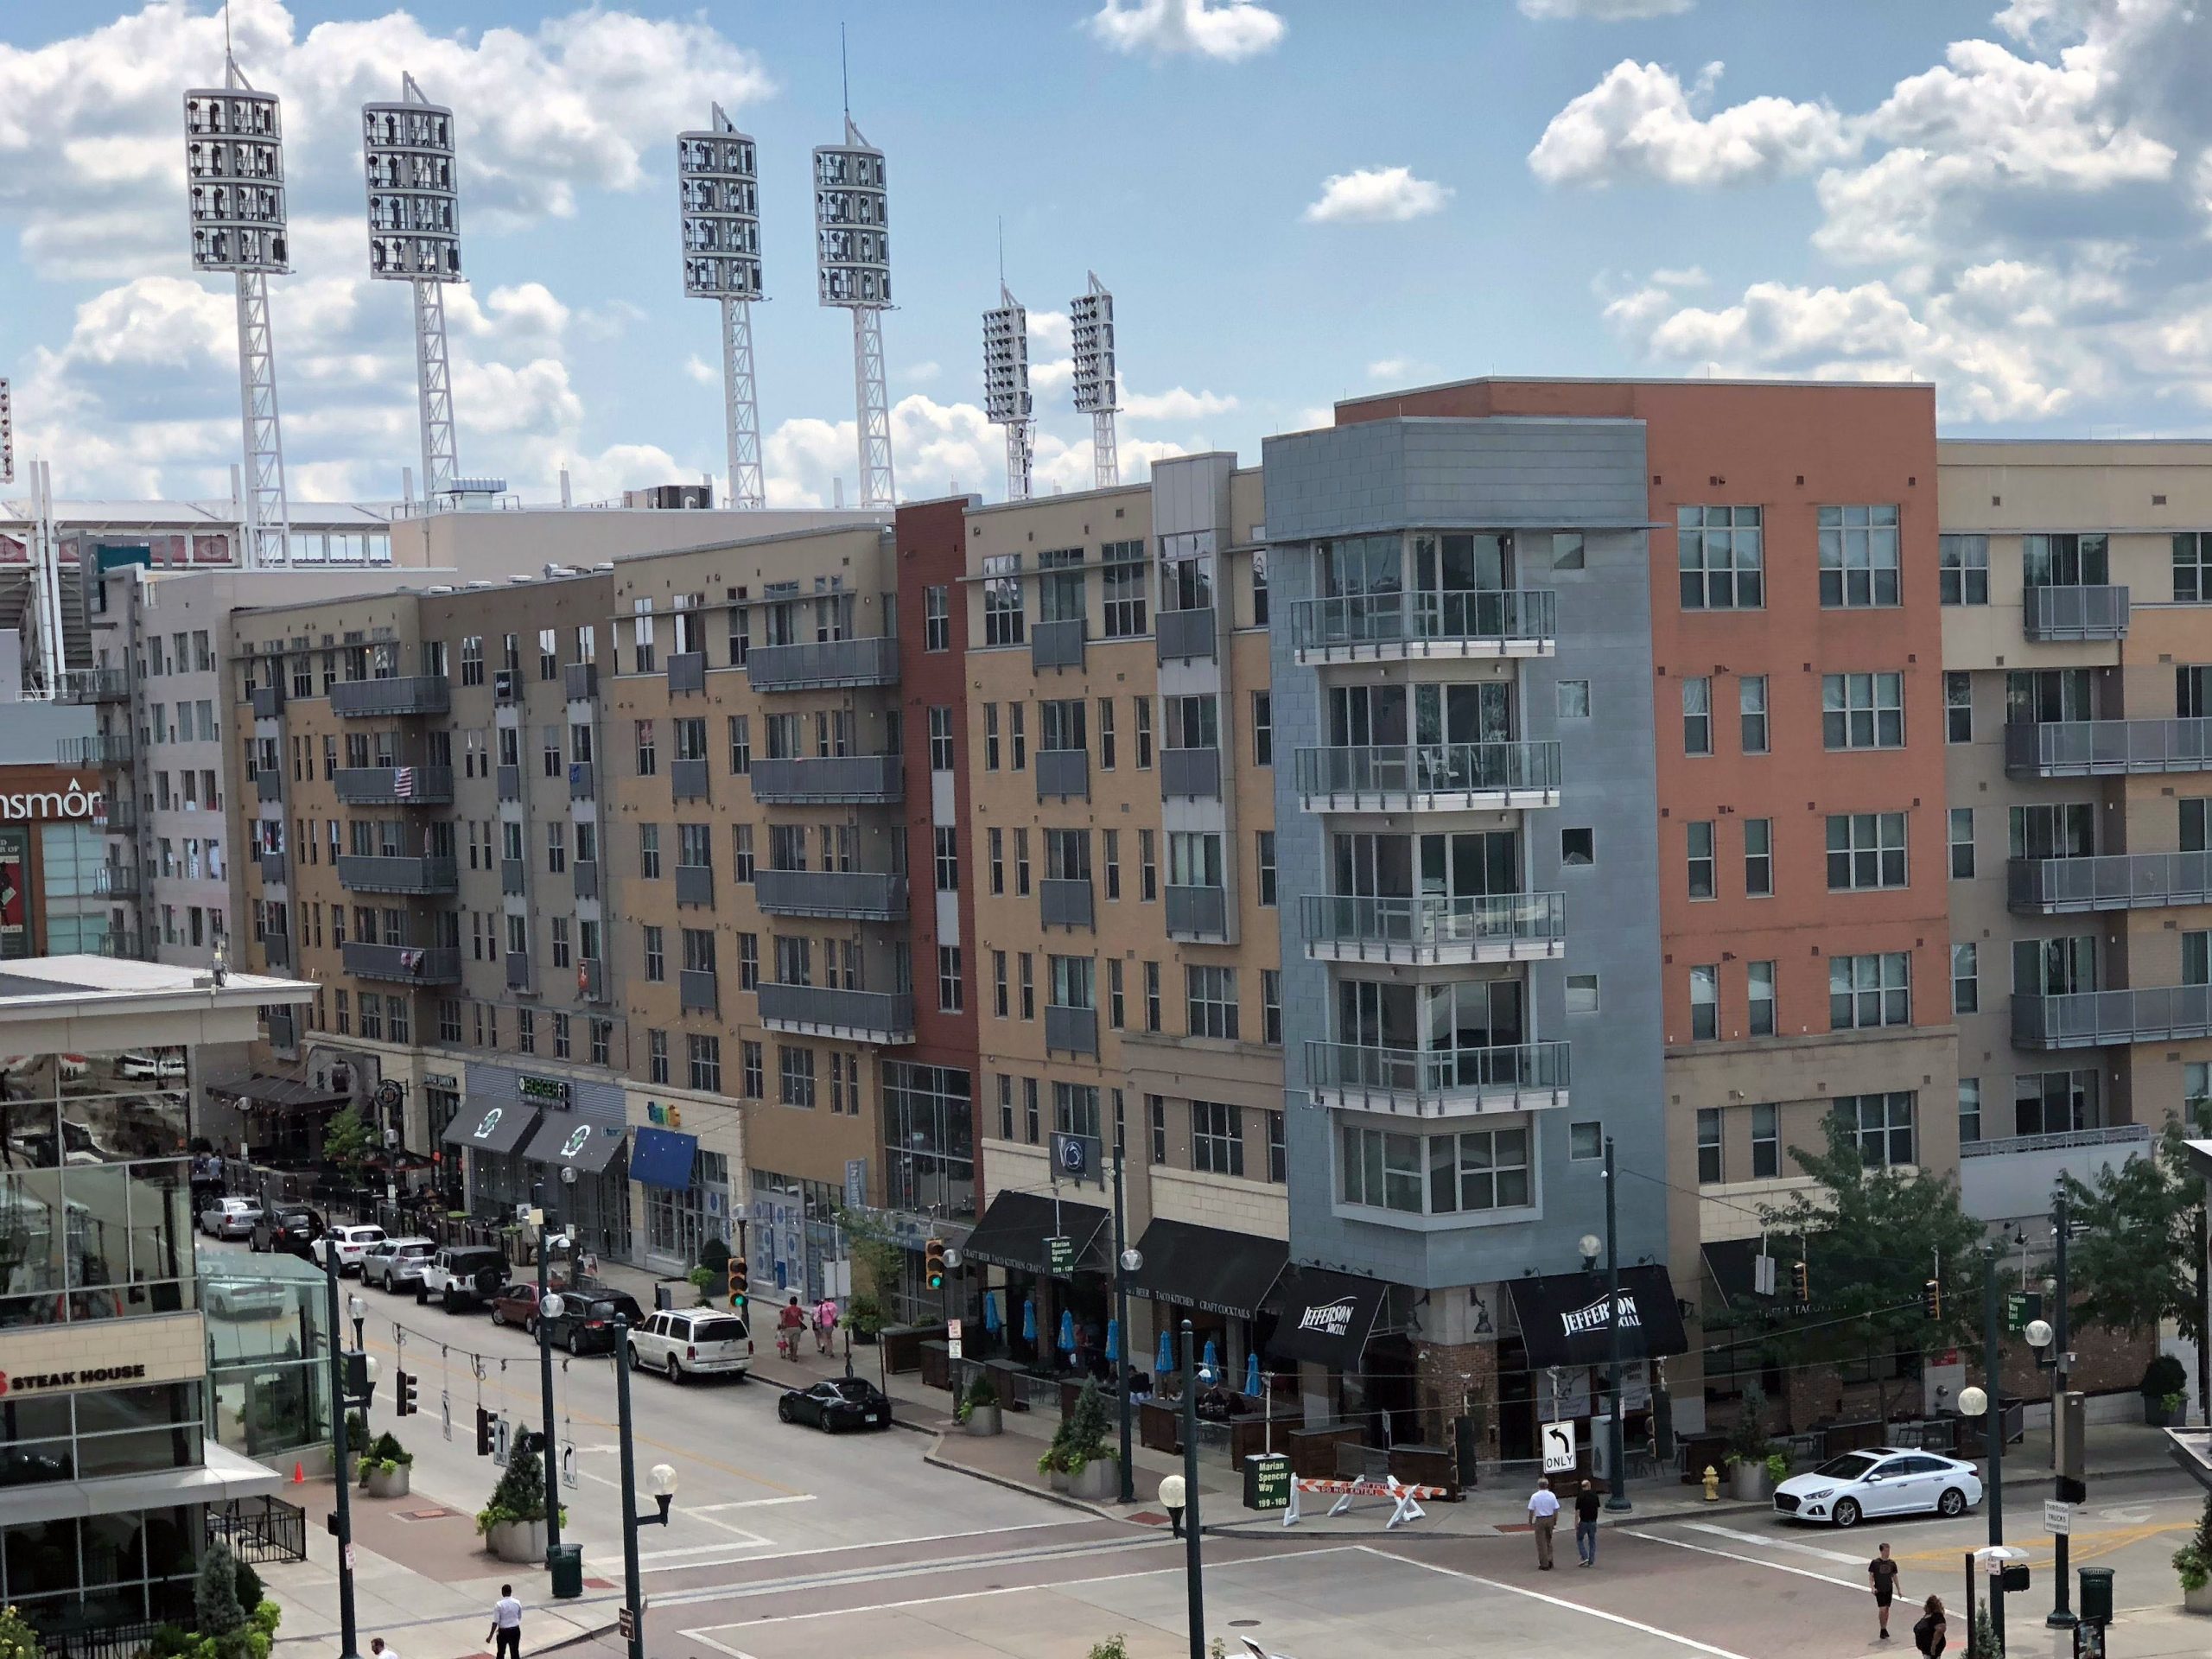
(2198, 1600)
(2155, 1415)
(1059, 1480)
(1748, 1484)
(1097, 1480)
(393, 1484)
(522, 1543)
(984, 1422)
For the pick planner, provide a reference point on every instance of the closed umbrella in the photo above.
(1212, 1359)
(1113, 1342)
(1067, 1331)
(991, 1312)
(1252, 1375)
(1029, 1319)
(1166, 1360)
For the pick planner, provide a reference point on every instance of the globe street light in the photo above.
(1972, 1402)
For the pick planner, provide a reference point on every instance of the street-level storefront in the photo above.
(1052, 1306)
(1217, 1279)
(687, 1197)
(491, 1134)
(1324, 1321)
(595, 1205)
(579, 1163)
(1565, 1341)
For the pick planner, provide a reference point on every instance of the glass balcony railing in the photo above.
(1439, 1082)
(1435, 927)
(1428, 776)
(2052, 886)
(1457, 623)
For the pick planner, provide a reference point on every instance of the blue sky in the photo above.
(2011, 200)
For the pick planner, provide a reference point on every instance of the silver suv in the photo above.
(396, 1263)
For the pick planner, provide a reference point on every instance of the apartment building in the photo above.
(1118, 743)
(2074, 578)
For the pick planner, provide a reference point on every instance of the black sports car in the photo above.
(840, 1402)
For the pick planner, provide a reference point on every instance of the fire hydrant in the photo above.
(1712, 1485)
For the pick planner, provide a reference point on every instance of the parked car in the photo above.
(349, 1244)
(462, 1275)
(692, 1342)
(835, 1403)
(396, 1263)
(1879, 1480)
(585, 1324)
(516, 1304)
(229, 1218)
(247, 1299)
(290, 1228)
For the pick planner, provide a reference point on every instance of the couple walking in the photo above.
(1543, 1518)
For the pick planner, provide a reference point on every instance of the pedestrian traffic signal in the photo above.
(1800, 1283)
(483, 1433)
(407, 1388)
(1932, 1299)
(737, 1283)
(933, 1263)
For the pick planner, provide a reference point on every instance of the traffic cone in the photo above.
(299, 1473)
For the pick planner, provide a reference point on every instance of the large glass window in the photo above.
(1437, 1174)
(1721, 551)
(1002, 623)
(1963, 562)
(1859, 556)
(1882, 1124)
(1865, 851)
(1870, 990)
(1862, 711)
(2063, 561)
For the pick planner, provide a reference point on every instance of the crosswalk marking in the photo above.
(1770, 1541)
(1752, 1561)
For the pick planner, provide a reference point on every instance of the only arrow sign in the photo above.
(1558, 1442)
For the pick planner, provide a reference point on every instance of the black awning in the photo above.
(292, 1094)
(566, 1140)
(1326, 1317)
(497, 1129)
(1207, 1268)
(1564, 1317)
(1013, 1231)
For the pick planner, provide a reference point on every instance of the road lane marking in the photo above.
(697, 1549)
(1621, 1619)
(1770, 1543)
(1754, 1561)
(749, 1503)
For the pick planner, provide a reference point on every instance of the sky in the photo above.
(1292, 201)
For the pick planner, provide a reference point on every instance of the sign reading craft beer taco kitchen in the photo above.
(102, 1353)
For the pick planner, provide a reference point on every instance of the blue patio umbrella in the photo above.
(1211, 1359)
(1113, 1342)
(1252, 1375)
(1166, 1360)
(1067, 1331)
(1029, 1319)
(991, 1312)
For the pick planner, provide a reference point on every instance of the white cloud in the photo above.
(1641, 122)
(701, 370)
(1685, 276)
(1400, 370)
(1375, 196)
(1176, 404)
(922, 373)
(1050, 374)
(1051, 328)
(1602, 11)
(1227, 30)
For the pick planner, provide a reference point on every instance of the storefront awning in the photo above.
(566, 1140)
(1564, 1317)
(662, 1158)
(1207, 1268)
(292, 1094)
(1013, 1231)
(1326, 1317)
(497, 1130)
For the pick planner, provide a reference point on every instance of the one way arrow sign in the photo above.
(1559, 1448)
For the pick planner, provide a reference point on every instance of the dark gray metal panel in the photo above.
(595, 1099)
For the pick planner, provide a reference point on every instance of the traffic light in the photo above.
(407, 1388)
(483, 1433)
(737, 1283)
(1800, 1283)
(933, 1263)
(1932, 1299)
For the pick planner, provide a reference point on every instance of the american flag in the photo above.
(402, 782)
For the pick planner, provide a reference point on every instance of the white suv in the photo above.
(349, 1242)
(394, 1263)
(692, 1342)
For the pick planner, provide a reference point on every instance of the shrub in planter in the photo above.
(1777, 1468)
(384, 1467)
(2193, 1561)
(714, 1256)
(516, 1514)
(215, 1593)
(866, 1314)
(2163, 1377)
(979, 1407)
(1093, 1466)
(19, 1641)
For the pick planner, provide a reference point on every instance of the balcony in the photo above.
(394, 785)
(126, 945)
(591, 979)
(1182, 635)
(2073, 614)
(581, 680)
(283, 1029)
(84, 685)
(1434, 928)
(1065, 773)
(1195, 773)
(2157, 1014)
(866, 779)
(855, 895)
(510, 782)
(695, 884)
(687, 672)
(687, 780)
(519, 972)
(1438, 1082)
(110, 750)
(1070, 1031)
(2060, 887)
(272, 869)
(581, 783)
(698, 991)
(514, 877)
(586, 871)
(821, 663)
(409, 694)
(268, 702)
(1198, 912)
(855, 1016)
(276, 951)
(1066, 904)
(1429, 778)
(117, 881)
(407, 964)
(359, 872)
(506, 687)
(2106, 749)
(1401, 627)
(2003, 1179)
(121, 815)
(268, 786)
(1055, 645)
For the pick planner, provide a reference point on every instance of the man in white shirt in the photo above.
(377, 1650)
(507, 1622)
(1543, 1516)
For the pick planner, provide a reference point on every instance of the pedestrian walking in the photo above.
(1171, 1499)
(506, 1624)
(1933, 1633)
(1884, 1572)
(789, 1322)
(1586, 1524)
(377, 1650)
(825, 1324)
(1543, 1516)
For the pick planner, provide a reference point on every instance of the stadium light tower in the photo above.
(718, 177)
(7, 433)
(1006, 386)
(415, 237)
(1097, 393)
(234, 168)
(852, 239)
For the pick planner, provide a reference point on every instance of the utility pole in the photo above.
(1993, 1429)
(349, 1644)
(2062, 1615)
(1616, 1467)
(1192, 1566)
(1121, 1322)
(545, 1389)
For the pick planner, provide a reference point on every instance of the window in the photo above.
(603, 1041)
(1105, 733)
(1016, 715)
(1567, 550)
(1859, 556)
(648, 755)
(1030, 1125)
(1028, 965)
(990, 737)
(1263, 729)
(1721, 555)
(471, 660)
(997, 844)
(741, 745)
(1870, 990)
(1156, 1124)
(1217, 1138)
(1866, 851)
(1582, 992)
(2055, 967)
(1759, 985)
(1708, 1145)
(1440, 1174)
(1700, 858)
(1697, 715)
(1766, 1143)
(1122, 580)
(946, 842)
(2048, 693)
(1963, 562)
(2192, 693)
(1266, 841)
(998, 983)
(1152, 996)
(2197, 1093)
(1113, 862)
(704, 1062)
(556, 847)
(1965, 983)
(1862, 711)
(753, 1069)
(1022, 863)
(937, 619)
(948, 998)
(656, 957)
(1958, 707)
(1577, 848)
(1147, 867)
(1704, 1004)
(795, 1074)
(1573, 699)
(1585, 1141)
(1758, 858)
(940, 740)
(2197, 957)
(2063, 829)
(1260, 587)
(1116, 1007)
(560, 941)
(1002, 623)
(1750, 706)
(1143, 706)
(1882, 1125)
(1961, 822)
(2194, 824)
(748, 962)
(2193, 567)
(742, 853)
(2070, 561)
(1969, 1109)
(1278, 1149)
(1211, 1001)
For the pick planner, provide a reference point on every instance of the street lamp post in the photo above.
(358, 1311)
(1616, 1464)
(1988, 1403)
(545, 1387)
(1126, 1261)
(349, 1645)
(663, 1486)
(1192, 1566)
(2060, 1617)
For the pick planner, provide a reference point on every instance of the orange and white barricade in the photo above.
(1404, 1500)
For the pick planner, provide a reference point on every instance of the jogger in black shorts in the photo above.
(1884, 1572)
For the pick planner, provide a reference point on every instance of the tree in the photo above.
(215, 1595)
(347, 1142)
(18, 1639)
(2138, 1247)
(1873, 1237)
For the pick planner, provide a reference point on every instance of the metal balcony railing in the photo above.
(1072, 1031)
(698, 991)
(1440, 1083)
(1185, 634)
(106, 750)
(2052, 886)
(272, 870)
(83, 685)
(514, 877)
(1434, 927)
(276, 951)
(1198, 912)
(364, 873)
(857, 1016)
(2062, 613)
(871, 661)
(2156, 1013)
(1063, 772)
(406, 694)
(2112, 1135)
(858, 779)
(510, 782)
(858, 895)
(268, 702)
(394, 785)
(2092, 748)
(283, 1029)
(586, 872)
(1194, 773)
(407, 963)
(1428, 776)
(591, 979)
(1459, 623)
(687, 780)
(695, 884)
(1055, 645)
(580, 681)
(519, 977)
(1066, 904)
(117, 881)
(687, 671)
(583, 783)
(268, 786)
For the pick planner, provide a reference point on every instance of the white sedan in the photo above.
(1880, 1480)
